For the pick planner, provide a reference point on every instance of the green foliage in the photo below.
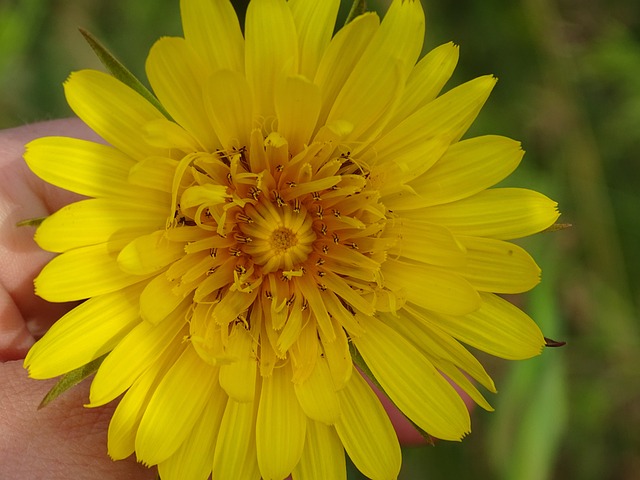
(71, 379)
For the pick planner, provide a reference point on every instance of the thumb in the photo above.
(63, 440)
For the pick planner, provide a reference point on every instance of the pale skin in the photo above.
(63, 440)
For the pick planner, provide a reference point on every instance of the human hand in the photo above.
(64, 440)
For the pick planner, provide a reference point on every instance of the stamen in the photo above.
(242, 217)
(278, 198)
(255, 192)
(242, 239)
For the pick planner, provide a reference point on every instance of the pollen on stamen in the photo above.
(282, 239)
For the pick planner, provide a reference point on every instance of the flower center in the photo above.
(281, 237)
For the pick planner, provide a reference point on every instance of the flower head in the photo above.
(307, 200)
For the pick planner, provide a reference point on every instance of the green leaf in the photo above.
(364, 368)
(357, 8)
(31, 222)
(119, 71)
(71, 379)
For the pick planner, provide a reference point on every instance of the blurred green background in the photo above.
(570, 91)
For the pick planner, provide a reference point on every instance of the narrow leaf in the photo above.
(119, 71)
(31, 222)
(71, 379)
(357, 8)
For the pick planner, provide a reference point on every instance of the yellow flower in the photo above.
(309, 198)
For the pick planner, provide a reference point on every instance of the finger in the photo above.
(24, 196)
(15, 337)
(62, 441)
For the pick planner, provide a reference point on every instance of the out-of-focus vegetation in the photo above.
(570, 91)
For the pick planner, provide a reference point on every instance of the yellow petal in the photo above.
(97, 220)
(280, 426)
(157, 300)
(126, 418)
(194, 458)
(303, 352)
(155, 173)
(498, 266)
(207, 194)
(213, 31)
(459, 378)
(228, 103)
(341, 288)
(340, 57)
(366, 98)
(426, 80)
(238, 378)
(336, 351)
(86, 332)
(132, 356)
(314, 24)
(113, 110)
(366, 431)
(297, 105)
(390, 175)
(467, 168)
(271, 50)
(149, 254)
(401, 34)
(323, 455)
(430, 287)
(177, 79)
(236, 444)
(498, 328)
(412, 382)
(311, 293)
(347, 318)
(424, 242)
(502, 213)
(164, 133)
(376, 82)
(317, 394)
(174, 408)
(420, 328)
(449, 115)
(84, 167)
(233, 304)
(83, 273)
